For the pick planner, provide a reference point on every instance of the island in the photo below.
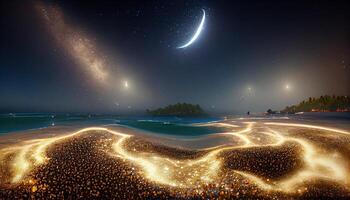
(179, 109)
(324, 103)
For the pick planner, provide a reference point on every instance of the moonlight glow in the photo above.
(122, 100)
(126, 85)
(195, 36)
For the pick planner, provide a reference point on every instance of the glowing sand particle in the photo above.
(191, 173)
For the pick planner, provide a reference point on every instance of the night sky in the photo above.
(122, 56)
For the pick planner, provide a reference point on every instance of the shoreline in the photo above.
(266, 158)
(178, 141)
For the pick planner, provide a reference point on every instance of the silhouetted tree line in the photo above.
(179, 109)
(324, 103)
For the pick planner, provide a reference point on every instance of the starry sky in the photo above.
(122, 56)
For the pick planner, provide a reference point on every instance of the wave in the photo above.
(262, 118)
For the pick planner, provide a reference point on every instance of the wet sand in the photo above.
(248, 160)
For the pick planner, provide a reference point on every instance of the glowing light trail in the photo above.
(205, 169)
(308, 126)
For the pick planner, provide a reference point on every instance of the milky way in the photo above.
(74, 41)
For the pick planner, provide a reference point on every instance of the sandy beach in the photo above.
(265, 159)
(174, 99)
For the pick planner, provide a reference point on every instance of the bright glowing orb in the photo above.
(126, 85)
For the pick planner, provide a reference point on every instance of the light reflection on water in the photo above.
(11, 122)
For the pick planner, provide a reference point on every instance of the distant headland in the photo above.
(324, 103)
(179, 109)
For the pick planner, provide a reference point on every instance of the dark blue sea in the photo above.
(11, 122)
(180, 126)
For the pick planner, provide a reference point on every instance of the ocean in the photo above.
(12, 122)
(179, 126)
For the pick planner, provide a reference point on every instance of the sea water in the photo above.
(177, 126)
(11, 122)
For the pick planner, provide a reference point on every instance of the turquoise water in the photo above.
(27, 121)
(163, 125)
(172, 126)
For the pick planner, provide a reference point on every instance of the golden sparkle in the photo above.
(208, 168)
(78, 45)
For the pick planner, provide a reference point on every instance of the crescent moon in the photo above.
(195, 36)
